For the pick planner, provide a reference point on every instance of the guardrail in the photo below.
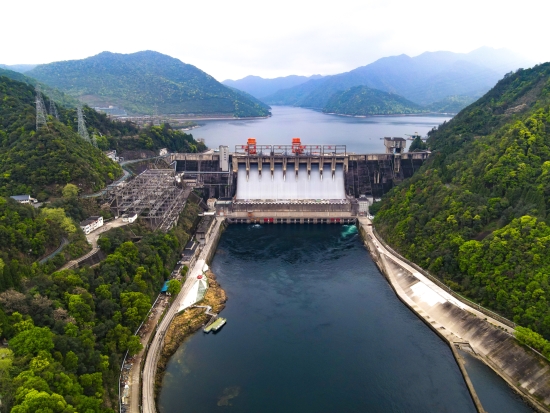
(444, 286)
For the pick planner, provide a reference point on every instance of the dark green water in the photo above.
(312, 327)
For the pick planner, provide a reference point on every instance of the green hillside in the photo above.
(477, 214)
(364, 101)
(41, 163)
(143, 81)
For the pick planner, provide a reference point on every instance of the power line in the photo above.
(82, 131)
(40, 110)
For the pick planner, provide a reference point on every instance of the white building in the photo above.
(91, 224)
(23, 199)
(224, 158)
(129, 218)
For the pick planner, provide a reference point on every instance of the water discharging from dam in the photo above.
(278, 187)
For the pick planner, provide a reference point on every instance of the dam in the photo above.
(296, 183)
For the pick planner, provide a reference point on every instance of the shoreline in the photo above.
(186, 323)
(458, 324)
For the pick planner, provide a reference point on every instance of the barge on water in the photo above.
(218, 323)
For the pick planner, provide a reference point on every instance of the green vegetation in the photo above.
(364, 101)
(143, 81)
(451, 104)
(42, 162)
(418, 145)
(476, 214)
(69, 330)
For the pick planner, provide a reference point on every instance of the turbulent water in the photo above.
(302, 186)
(312, 327)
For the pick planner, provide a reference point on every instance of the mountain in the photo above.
(451, 104)
(144, 82)
(18, 68)
(251, 98)
(424, 79)
(42, 162)
(477, 214)
(364, 101)
(260, 87)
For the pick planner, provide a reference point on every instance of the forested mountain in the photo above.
(68, 330)
(260, 87)
(18, 68)
(424, 79)
(364, 101)
(144, 82)
(477, 213)
(42, 162)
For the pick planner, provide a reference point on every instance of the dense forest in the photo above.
(68, 330)
(478, 212)
(364, 101)
(144, 82)
(42, 162)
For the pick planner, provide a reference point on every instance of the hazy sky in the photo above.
(232, 39)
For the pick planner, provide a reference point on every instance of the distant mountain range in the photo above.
(260, 87)
(18, 68)
(145, 82)
(427, 79)
(364, 101)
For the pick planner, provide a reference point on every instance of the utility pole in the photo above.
(40, 110)
(82, 131)
(53, 109)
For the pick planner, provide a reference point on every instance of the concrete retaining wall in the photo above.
(455, 322)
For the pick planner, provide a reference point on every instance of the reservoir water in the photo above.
(361, 135)
(312, 327)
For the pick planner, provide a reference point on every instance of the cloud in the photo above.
(235, 39)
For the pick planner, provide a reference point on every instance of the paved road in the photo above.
(150, 366)
(64, 242)
(92, 238)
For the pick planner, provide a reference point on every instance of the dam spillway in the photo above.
(295, 183)
(276, 186)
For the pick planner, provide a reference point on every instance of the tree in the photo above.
(39, 401)
(32, 341)
(174, 287)
(70, 191)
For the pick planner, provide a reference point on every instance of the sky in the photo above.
(233, 39)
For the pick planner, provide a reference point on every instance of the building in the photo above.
(211, 203)
(129, 218)
(363, 203)
(203, 229)
(189, 253)
(224, 158)
(91, 224)
(23, 199)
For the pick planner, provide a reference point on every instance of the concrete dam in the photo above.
(296, 183)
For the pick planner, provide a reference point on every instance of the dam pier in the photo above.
(296, 183)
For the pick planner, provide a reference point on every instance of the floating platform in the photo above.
(215, 325)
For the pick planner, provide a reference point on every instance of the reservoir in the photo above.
(312, 327)
(361, 135)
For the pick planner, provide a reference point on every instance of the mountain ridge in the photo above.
(144, 82)
(424, 79)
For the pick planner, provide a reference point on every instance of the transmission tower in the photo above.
(53, 109)
(40, 110)
(82, 131)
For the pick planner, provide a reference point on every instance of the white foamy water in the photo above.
(303, 187)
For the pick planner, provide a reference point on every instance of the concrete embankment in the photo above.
(188, 322)
(185, 299)
(461, 325)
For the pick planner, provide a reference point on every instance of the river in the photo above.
(360, 135)
(312, 327)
